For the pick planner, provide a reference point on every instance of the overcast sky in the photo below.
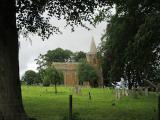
(74, 41)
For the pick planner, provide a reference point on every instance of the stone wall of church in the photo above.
(69, 70)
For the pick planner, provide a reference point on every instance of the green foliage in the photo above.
(30, 77)
(46, 81)
(130, 45)
(147, 44)
(57, 55)
(38, 79)
(87, 73)
(41, 74)
(106, 66)
(52, 76)
(61, 77)
(31, 18)
(40, 61)
(78, 56)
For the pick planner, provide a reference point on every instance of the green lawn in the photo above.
(43, 104)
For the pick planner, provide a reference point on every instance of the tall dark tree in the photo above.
(132, 41)
(11, 107)
(30, 19)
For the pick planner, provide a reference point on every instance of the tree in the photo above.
(78, 56)
(147, 41)
(57, 55)
(132, 41)
(87, 73)
(40, 61)
(31, 77)
(11, 107)
(46, 81)
(53, 76)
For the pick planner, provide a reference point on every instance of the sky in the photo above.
(79, 40)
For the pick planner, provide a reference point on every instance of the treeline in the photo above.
(59, 55)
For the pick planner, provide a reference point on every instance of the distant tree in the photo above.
(53, 76)
(57, 55)
(41, 62)
(41, 75)
(38, 79)
(46, 81)
(30, 77)
(78, 56)
(86, 72)
(68, 54)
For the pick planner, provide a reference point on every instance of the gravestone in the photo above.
(77, 89)
(146, 91)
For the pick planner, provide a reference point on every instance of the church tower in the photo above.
(92, 54)
(93, 60)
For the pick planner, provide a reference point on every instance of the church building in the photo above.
(69, 69)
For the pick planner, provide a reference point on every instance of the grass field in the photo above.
(43, 104)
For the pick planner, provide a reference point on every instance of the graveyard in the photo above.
(42, 103)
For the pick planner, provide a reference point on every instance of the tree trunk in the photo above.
(11, 107)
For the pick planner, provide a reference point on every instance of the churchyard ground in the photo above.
(43, 104)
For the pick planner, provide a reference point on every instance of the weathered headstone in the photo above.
(77, 89)
(146, 91)
(118, 94)
(126, 92)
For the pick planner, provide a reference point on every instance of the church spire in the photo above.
(93, 49)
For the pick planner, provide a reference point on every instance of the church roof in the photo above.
(93, 49)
